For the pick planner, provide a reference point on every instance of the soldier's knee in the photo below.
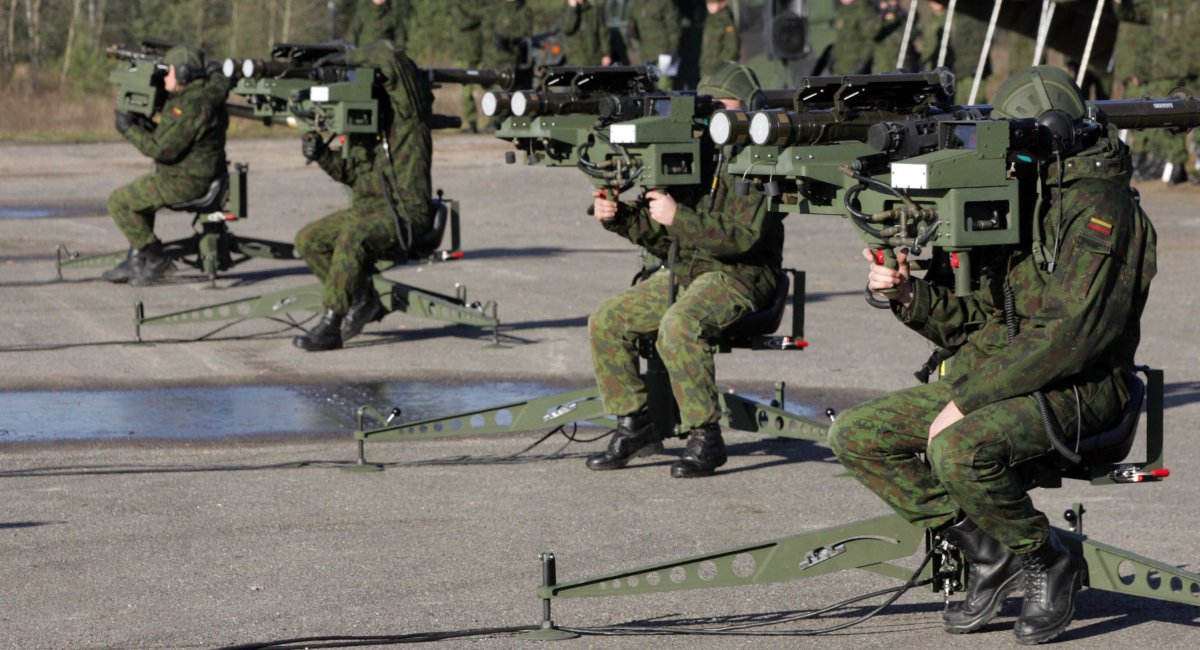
(676, 330)
(953, 457)
(845, 435)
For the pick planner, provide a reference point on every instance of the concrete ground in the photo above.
(135, 542)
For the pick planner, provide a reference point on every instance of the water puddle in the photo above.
(234, 411)
(49, 211)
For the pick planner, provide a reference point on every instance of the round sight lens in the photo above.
(489, 104)
(229, 68)
(760, 128)
(518, 103)
(248, 68)
(719, 129)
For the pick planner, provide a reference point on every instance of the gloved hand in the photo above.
(312, 146)
(123, 122)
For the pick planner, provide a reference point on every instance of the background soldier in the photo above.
(857, 24)
(584, 25)
(1060, 319)
(467, 43)
(1131, 70)
(962, 51)
(188, 149)
(727, 264)
(389, 179)
(720, 38)
(376, 20)
(656, 30)
(505, 24)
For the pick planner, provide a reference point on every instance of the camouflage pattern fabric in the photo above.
(720, 42)
(342, 247)
(857, 25)
(372, 22)
(656, 23)
(504, 25)
(962, 54)
(1078, 330)
(188, 149)
(133, 207)
(889, 36)
(1174, 28)
(467, 44)
(728, 260)
(585, 33)
(377, 180)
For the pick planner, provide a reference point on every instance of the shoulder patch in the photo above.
(176, 111)
(1101, 226)
(730, 29)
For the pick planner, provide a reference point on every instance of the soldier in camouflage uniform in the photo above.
(1076, 303)
(584, 25)
(857, 25)
(504, 25)
(962, 51)
(720, 41)
(1174, 27)
(656, 27)
(1131, 71)
(376, 20)
(188, 149)
(728, 258)
(467, 43)
(389, 179)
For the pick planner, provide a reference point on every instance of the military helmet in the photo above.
(188, 62)
(730, 80)
(1033, 91)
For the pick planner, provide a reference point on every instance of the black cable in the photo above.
(351, 641)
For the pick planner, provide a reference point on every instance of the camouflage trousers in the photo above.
(972, 465)
(712, 302)
(132, 207)
(341, 249)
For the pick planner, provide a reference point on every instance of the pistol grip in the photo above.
(887, 257)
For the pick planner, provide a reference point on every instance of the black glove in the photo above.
(123, 122)
(312, 146)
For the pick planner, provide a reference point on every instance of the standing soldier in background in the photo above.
(375, 20)
(584, 25)
(504, 25)
(390, 186)
(1174, 28)
(188, 149)
(656, 30)
(967, 34)
(720, 38)
(1131, 69)
(467, 43)
(870, 33)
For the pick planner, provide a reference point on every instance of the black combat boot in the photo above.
(993, 573)
(365, 308)
(327, 335)
(705, 452)
(635, 436)
(1052, 576)
(151, 265)
(124, 271)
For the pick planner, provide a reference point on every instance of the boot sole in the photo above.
(1006, 590)
(646, 450)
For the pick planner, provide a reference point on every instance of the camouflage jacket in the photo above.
(857, 24)
(372, 22)
(1078, 326)
(467, 18)
(720, 42)
(585, 32)
(188, 144)
(504, 25)
(738, 236)
(401, 177)
(962, 52)
(656, 24)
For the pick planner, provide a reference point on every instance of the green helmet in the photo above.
(730, 81)
(188, 62)
(1033, 91)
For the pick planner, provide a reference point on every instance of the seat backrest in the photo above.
(212, 200)
(424, 244)
(765, 321)
(1114, 444)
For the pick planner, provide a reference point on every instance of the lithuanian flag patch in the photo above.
(176, 111)
(1101, 226)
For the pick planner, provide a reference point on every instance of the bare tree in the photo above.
(66, 67)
